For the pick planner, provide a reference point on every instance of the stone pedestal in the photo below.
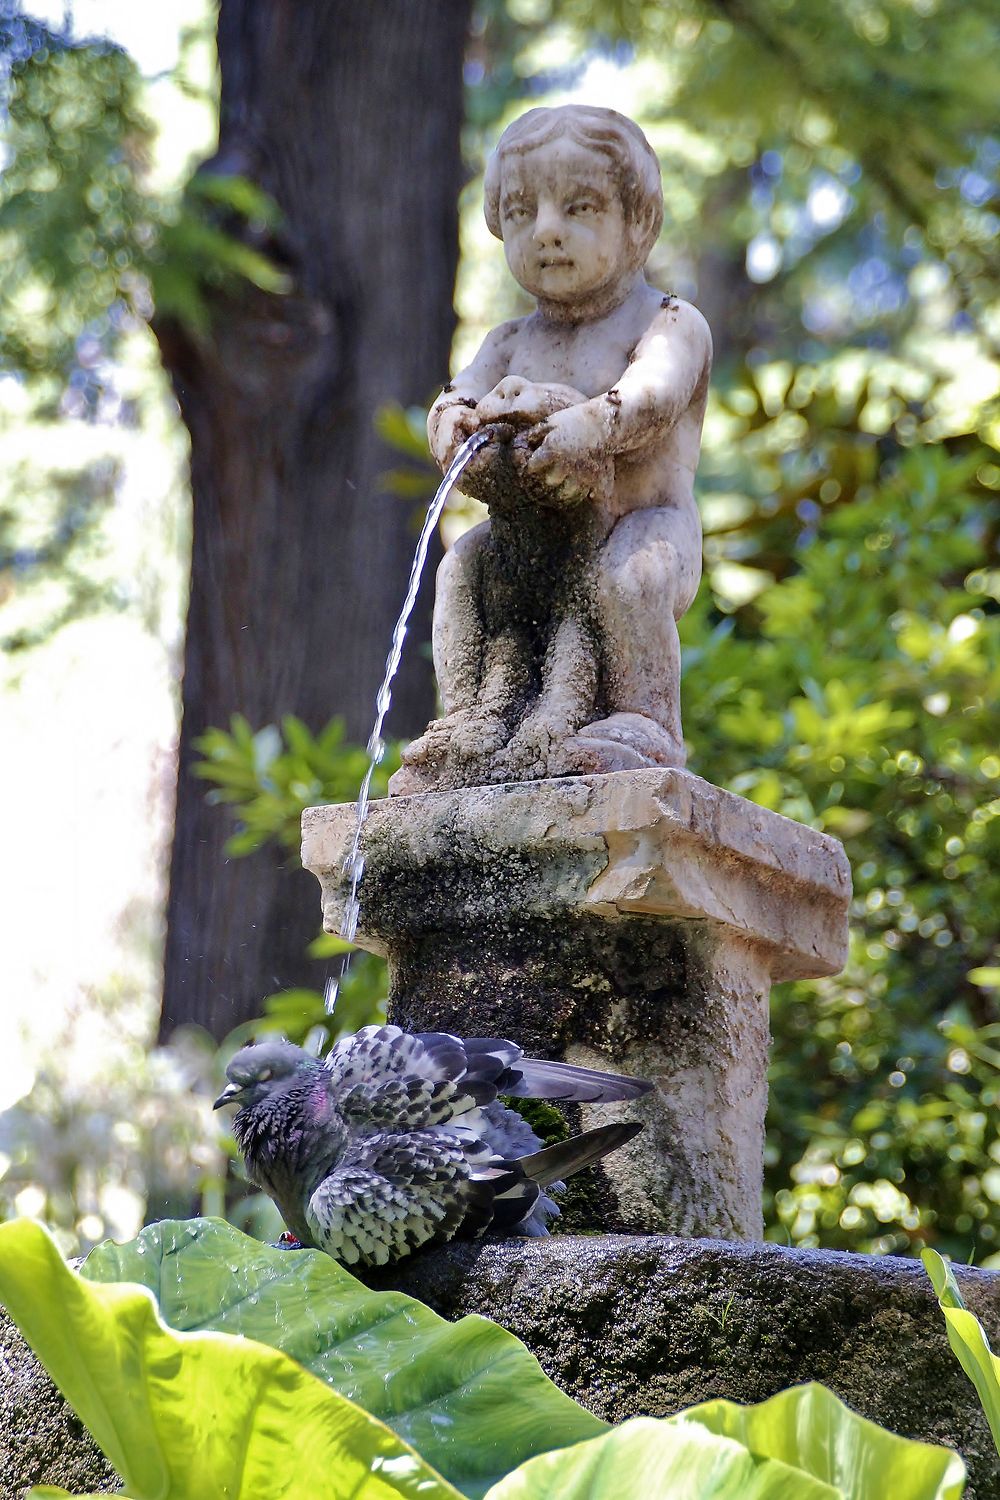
(632, 921)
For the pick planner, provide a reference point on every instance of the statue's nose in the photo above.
(548, 225)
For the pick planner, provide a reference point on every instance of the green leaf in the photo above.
(405, 429)
(239, 193)
(439, 1386)
(809, 1428)
(53, 1492)
(329, 945)
(660, 1461)
(967, 1339)
(184, 1416)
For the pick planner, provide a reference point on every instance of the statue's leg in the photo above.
(457, 634)
(647, 575)
(479, 677)
(458, 646)
(569, 688)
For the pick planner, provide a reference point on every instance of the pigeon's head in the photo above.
(263, 1070)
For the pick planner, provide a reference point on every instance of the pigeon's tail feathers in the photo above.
(482, 1206)
(566, 1157)
(534, 1079)
(518, 1199)
(514, 1198)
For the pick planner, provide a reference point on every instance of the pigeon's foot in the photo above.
(288, 1241)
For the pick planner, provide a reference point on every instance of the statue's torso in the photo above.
(593, 357)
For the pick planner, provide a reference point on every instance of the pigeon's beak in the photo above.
(231, 1094)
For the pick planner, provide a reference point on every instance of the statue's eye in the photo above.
(582, 206)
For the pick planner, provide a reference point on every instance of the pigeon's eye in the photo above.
(265, 1074)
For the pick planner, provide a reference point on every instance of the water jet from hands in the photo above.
(354, 864)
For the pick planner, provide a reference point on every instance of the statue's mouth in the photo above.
(547, 265)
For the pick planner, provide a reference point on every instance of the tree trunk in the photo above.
(349, 115)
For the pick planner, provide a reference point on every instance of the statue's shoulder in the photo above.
(670, 314)
(505, 334)
(492, 359)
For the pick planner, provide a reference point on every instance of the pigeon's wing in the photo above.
(532, 1078)
(393, 1194)
(376, 1054)
(405, 1104)
(384, 1079)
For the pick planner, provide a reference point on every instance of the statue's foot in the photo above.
(433, 745)
(462, 738)
(409, 780)
(423, 758)
(536, 745)
(622, 742)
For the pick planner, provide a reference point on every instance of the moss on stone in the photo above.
(545, 1120)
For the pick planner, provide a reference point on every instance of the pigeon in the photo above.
(398, 1140)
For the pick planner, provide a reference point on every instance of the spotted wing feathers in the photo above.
(391, 1196)
(404, 1104)
(377, 1053)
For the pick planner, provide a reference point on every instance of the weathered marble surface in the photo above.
(633, 922)
(555, 622)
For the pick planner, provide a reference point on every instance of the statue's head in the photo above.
(575, 195)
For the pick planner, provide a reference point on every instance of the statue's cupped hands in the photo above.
(567, 453)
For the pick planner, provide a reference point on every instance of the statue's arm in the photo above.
(669, 367)
(452, 418)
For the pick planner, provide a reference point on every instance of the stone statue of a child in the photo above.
(555, 635)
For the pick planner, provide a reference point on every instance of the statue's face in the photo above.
(564, 230)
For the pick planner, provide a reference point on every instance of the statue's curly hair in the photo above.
(629, 155)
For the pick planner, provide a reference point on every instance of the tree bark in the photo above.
(349, 115)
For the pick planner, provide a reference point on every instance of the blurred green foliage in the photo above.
(267, 776)
(860, 692)
(85, 242)
(404, 430)
(89, 247)
(73, 218)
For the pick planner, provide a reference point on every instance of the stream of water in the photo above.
(354, 864)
